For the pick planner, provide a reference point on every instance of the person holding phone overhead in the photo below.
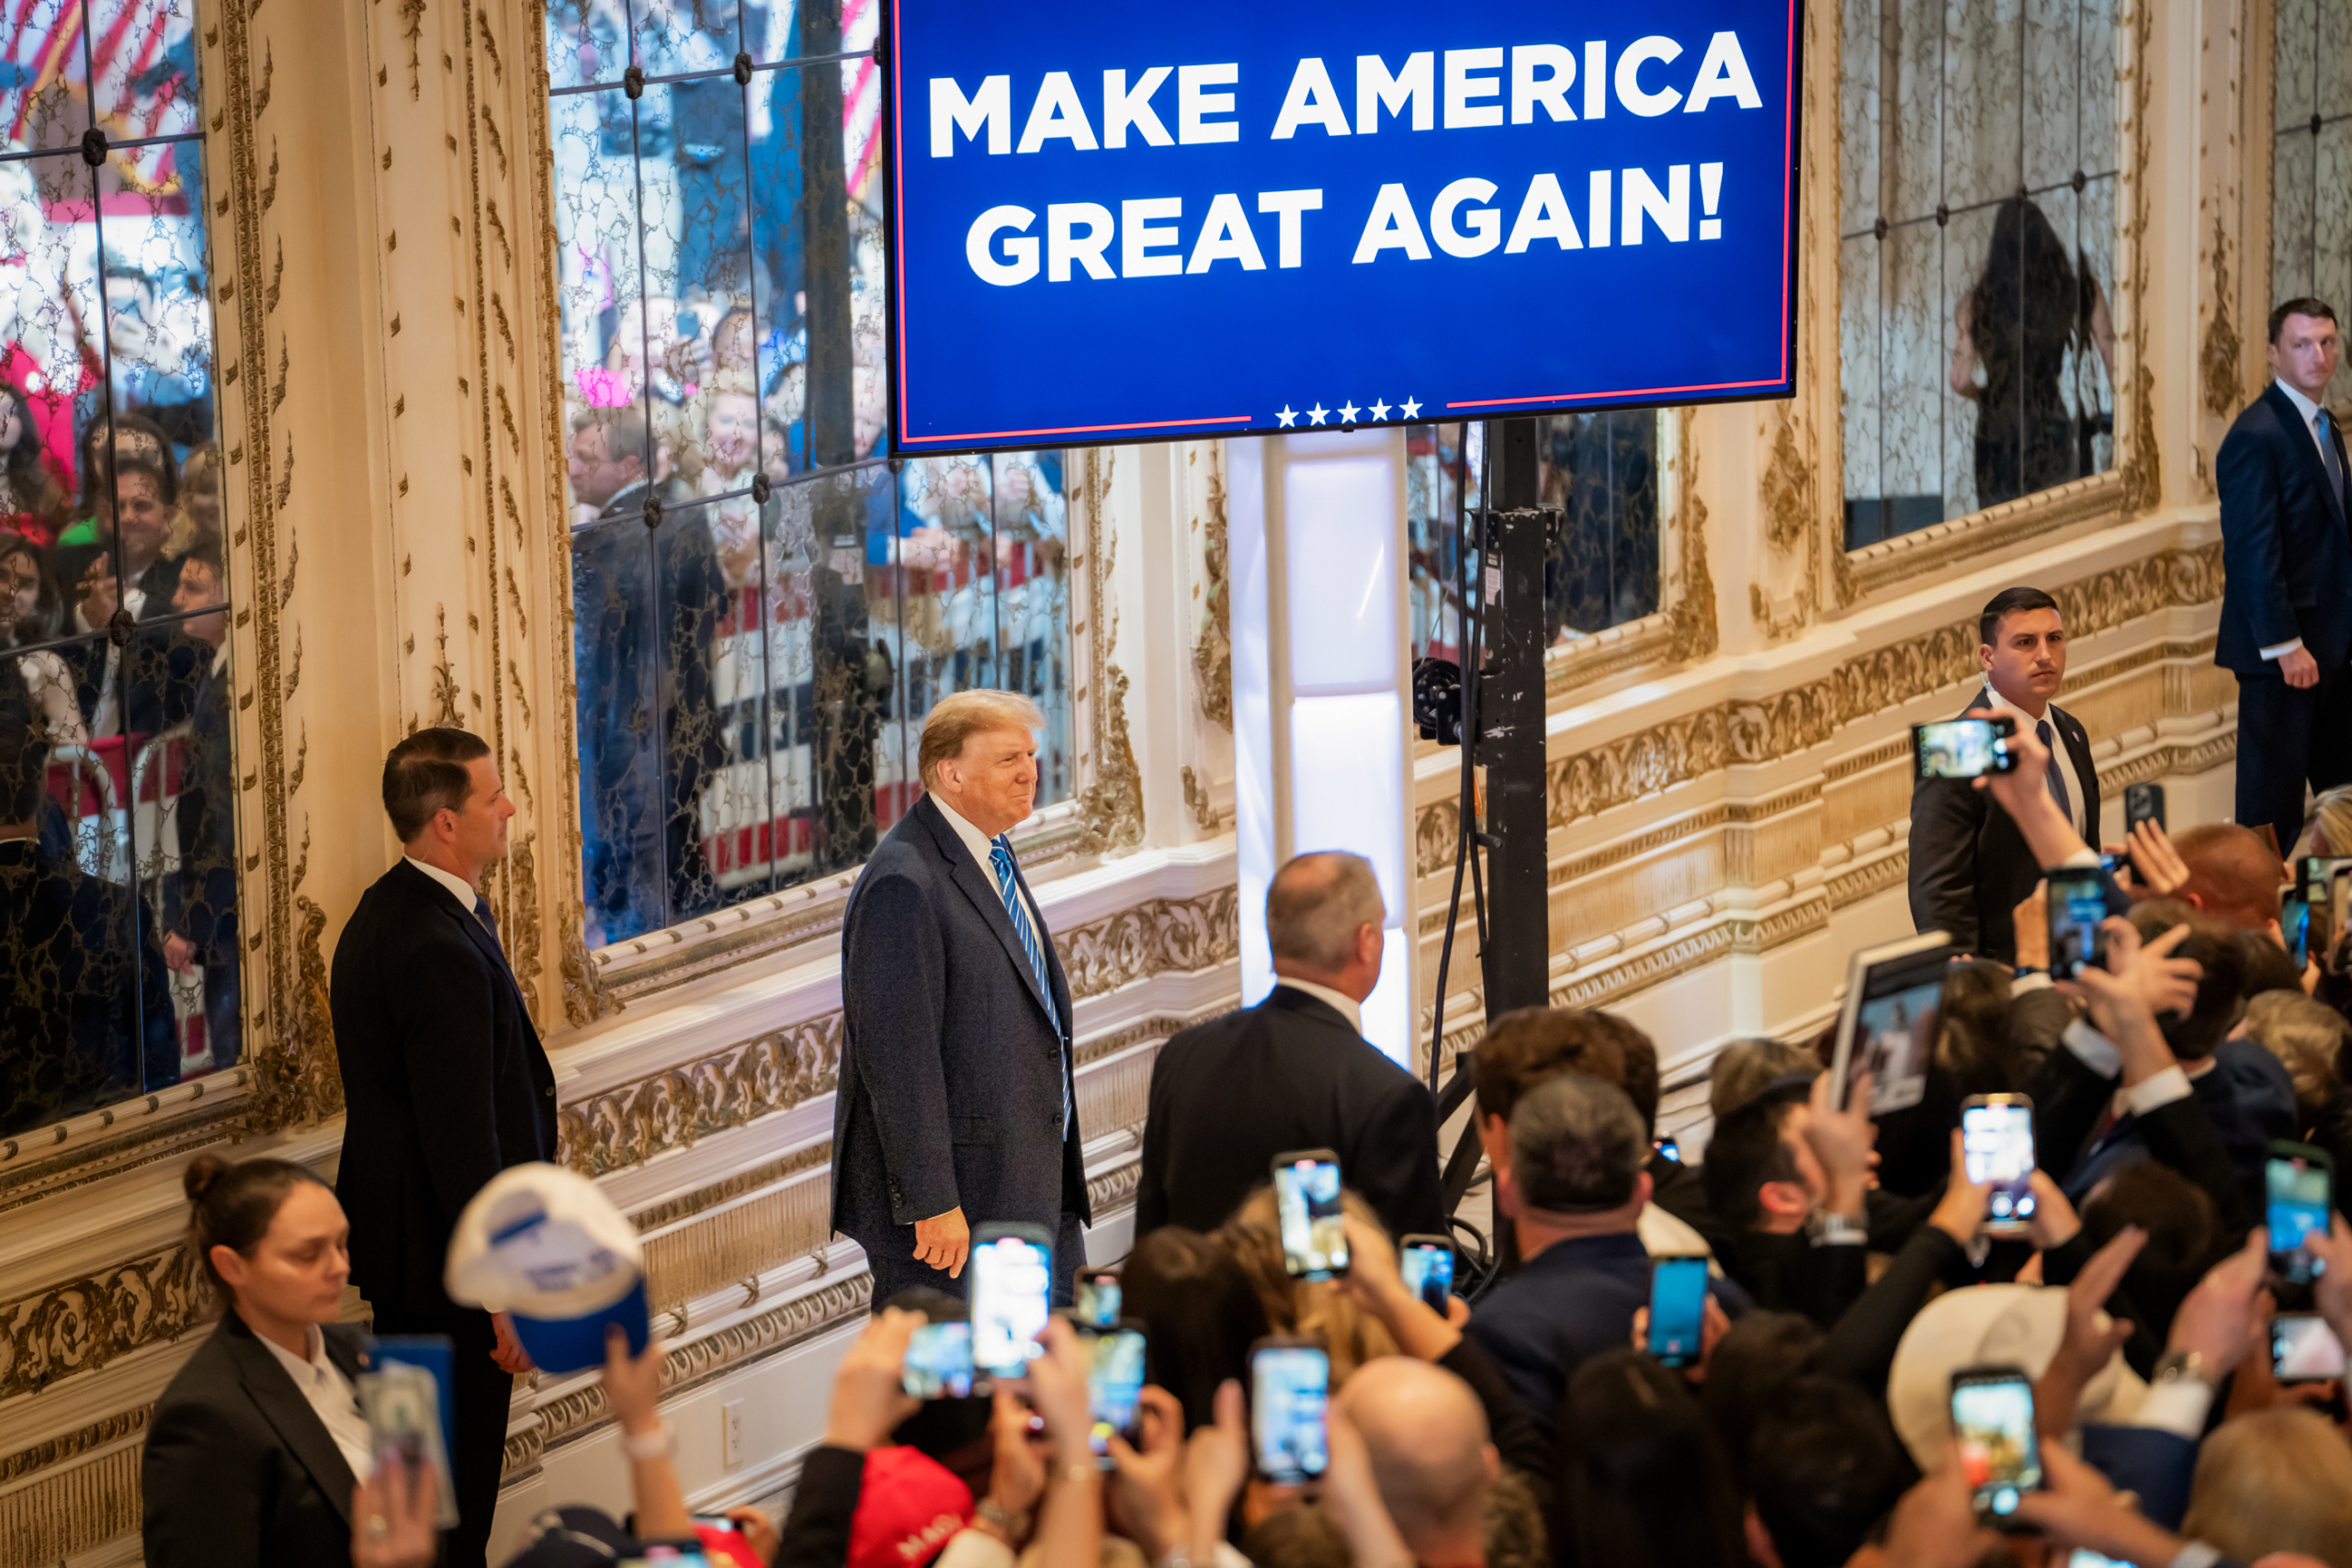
(957, 1104)
(447, 1085)
(1970, 866)
(2286, 587)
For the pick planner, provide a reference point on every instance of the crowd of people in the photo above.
(118, 886)
(1522, 1419)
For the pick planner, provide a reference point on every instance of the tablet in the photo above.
(1887, 1026)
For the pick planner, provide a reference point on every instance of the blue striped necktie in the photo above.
(1008, 889)
(2328, 456)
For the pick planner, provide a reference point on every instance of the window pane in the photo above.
(1032, 603)
(1432, 477)
(946, 539)
(1858, 333)
(1601, 566)
(47, 96)
(2097, 50)
(71, 1016)
(158, 326)
(1912, 337)
(1983, 103)
(692, 603)
(2333, 51)
(599, 263)
(585, 44)
(695, 226)
(672, 36)
(143, 53)
(2294, 62)
(2053, 96)
(2294, 205)
(182, 819)
(615, 656)
(2331, 215)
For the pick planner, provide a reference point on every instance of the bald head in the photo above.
(2232, 876)
(1431, 1456)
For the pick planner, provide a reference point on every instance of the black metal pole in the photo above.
(1510, 741)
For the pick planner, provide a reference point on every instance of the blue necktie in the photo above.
(2327, 455)
(2051, 775)
(1008, 889)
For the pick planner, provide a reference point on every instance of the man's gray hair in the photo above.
(1576, 1145)
(1316, 904)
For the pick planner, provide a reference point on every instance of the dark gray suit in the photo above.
(952, 1076)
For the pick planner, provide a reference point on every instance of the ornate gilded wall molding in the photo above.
(631, 1123)
(1111, 804)
(1722, 735)
(1692, 614)
(1598, 655)
(2221, 359)
(79, 1324)
(1213, 650)
(2140, 464)
(76, 1508)
(1911, 555)
(56, 1450)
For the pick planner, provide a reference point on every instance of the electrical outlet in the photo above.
(731, 1414)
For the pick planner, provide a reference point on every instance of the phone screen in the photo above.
(1011, 1282)
(2077, 904)
(1996, 1143)
(1668, 1147)
(1678, 1307)
(1114, 1388)
(1960, 748)
(1290, 1386)
(1993, 1419)
(939, 1361)
(1306, 1196)
(2297, 1192)
(2295, 925)
(1429, 1272)
(2144, 803)
(2303, 1349)
(1097, 1300)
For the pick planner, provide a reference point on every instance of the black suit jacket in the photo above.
(2285, 554)
(1970, 866)
(952, 1075)
(443, 1081)
(239, 1470)
(201, 901)
(1229, 1095)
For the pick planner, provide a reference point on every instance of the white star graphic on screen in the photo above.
(1380, 411)
(1348, 413)
(1411, 409)
(1287, 414)
(1314, 415)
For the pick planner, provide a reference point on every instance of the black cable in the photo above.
(1466, 801)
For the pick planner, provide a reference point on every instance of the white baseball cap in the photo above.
(543, 1245)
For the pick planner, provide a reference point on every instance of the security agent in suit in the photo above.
(1294, 1072)
(956, 1104)
(445, 1083)
(2287, 591)
(1970, 866)
(256, 1449)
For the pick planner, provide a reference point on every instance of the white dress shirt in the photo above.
(2310, 412)
(465, 896)
(980, 844)
(1345, 1007)
(330, 1393)
(2078, 799)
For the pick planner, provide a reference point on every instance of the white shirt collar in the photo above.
(307, 1366)
(466, 897)
(2303, 405)
(974, 839)
(1346, 1007)
(2002, 704)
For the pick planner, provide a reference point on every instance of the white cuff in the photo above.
(2084, 859)
(2283, 649)
(2179, 1407)
(2094, 1050)
(2039, 980)
(2196, 1554)
(970, 1548)
(2155, 1092)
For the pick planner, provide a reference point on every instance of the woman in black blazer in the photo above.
(242, 1469)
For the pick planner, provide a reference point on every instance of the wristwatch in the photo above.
(1014, 1524)
(1835, 1230)
(2183, 1366)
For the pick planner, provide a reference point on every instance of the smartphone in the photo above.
(1668, 1147)
(1306, 1200)
(2299, 1191)
(1963, 748)
(1992, 1416)
(2143, 803)
(2115, 866)
(1096, 1303)
(939, 1364)
(1996, 1144)
(1011, 1268)
(2077, 902)
(2318, 886)
(2303, 1349)
(1427, 1263)
(1678, 1307)
(1114, 1389)
(2295, 926)
(1290, 1384)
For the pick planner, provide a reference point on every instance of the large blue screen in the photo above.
(1116, 220)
